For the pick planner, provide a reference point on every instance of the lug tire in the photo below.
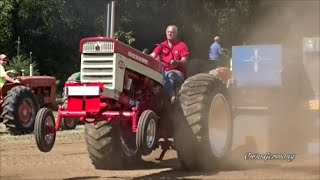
(104, 147)
(191, 125)
(10, 110)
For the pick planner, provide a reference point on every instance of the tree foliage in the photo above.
(21, 64)
(52, 29)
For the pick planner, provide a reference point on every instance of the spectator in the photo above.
(215, 53)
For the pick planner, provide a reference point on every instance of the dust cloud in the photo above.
(288, 127)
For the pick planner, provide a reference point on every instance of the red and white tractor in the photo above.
(127, 112)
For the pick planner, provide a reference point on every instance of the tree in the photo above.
(21, 64)
(6, 25)
(53, 33)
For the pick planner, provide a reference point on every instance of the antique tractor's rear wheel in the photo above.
(45, 133)
(147, 132)
(203, 127)
(68, 123)
(109, 147)
(19, 110)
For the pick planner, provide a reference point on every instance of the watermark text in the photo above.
(269, 156)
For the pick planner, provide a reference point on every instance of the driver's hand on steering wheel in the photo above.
(16, 81)
(174, 62)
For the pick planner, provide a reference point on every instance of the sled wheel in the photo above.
(45, 133)
(203, 123)
(147, 131)
(19, 110)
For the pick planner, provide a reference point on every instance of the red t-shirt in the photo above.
(176, 52)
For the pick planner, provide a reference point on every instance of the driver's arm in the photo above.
(156, 52)
(4, 75)
(7, 78)
(184, 56)
(153, 54)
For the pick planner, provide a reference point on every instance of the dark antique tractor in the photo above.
(281, 84)
(21, 102)
(262, 80)
(127, 112)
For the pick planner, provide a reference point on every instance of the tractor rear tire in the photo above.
(105, 149)
(203, 118)
(19, 110)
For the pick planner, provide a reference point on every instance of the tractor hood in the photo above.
(38, 80)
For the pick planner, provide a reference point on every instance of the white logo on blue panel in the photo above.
(256, 59)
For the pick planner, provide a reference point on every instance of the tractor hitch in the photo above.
(165, 146)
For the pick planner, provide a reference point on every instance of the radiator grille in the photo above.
(98, 47)
(95, 68)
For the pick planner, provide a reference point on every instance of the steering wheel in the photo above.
(160, 55)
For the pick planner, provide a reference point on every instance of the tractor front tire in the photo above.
(45, 133)
(203, 124)
(19, 110)
(147, 130)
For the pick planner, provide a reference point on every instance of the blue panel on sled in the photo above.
(257, 65)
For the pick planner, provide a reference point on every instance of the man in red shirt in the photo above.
(173, 54)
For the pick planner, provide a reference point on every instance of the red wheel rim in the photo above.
(49, 130)
(69, 122)
(25, 112)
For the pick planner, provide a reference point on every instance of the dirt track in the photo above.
(20, 159)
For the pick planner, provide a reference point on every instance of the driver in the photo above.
(3, 74)
(175, 54)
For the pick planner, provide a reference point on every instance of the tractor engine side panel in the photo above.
(108, 66)
(141, 91)
(123, 61)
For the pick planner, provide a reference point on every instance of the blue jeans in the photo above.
(173, 78)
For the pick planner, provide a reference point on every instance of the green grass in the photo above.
(5, 137)
(70, 134)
